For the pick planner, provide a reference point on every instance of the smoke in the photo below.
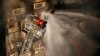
(64, 38)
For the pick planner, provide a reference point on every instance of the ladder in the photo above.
(32, 34)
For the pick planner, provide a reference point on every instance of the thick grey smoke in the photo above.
(63, 36)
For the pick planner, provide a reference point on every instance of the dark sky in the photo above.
(2, 31)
